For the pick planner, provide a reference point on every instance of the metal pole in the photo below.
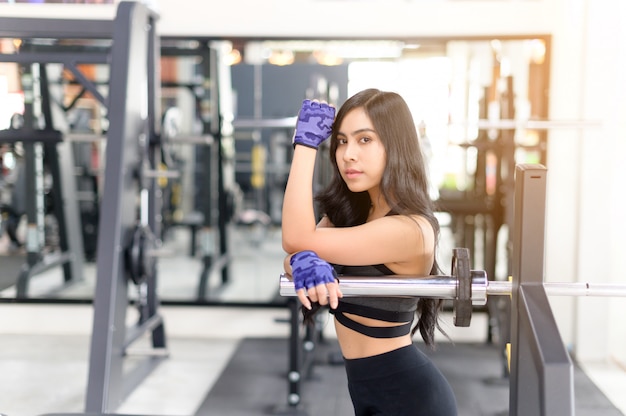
(541, 381)
(444, 287)
(564, 289)
(440, 287)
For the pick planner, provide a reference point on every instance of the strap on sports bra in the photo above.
(374, 313)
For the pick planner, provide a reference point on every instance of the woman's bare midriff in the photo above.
(355, 345)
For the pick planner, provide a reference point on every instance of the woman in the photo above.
(377, 221)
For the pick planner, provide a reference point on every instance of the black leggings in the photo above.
(402, 382)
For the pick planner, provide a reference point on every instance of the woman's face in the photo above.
(360, 154)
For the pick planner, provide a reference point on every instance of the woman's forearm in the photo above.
(287, 265)
(298, 216)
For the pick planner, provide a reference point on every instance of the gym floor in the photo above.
(44, 352)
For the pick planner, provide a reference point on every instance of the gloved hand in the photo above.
(311, 275)
(314, 124)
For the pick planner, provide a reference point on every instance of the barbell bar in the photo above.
(502, 124)
(465, 287)
(445, 287)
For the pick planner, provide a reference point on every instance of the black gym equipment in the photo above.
(541, 371)
(463, 300)
(139, 254)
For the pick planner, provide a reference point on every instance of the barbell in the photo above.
(467, 288)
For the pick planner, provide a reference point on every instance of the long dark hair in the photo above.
(404, 184)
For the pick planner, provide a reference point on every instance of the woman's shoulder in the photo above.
(419, 219)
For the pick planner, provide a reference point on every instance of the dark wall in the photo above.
(283, 87)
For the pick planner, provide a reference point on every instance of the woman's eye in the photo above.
(365, 139)
(341, 141)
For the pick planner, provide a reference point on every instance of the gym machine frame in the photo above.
(125, 240)
(216, 130)
(49, 142)
(126, 232)
(541, 371)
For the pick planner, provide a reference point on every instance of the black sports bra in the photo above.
(388, 309)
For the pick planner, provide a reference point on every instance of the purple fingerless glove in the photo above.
(308, 270)
(315, 121)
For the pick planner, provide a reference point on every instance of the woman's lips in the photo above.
(352, 173)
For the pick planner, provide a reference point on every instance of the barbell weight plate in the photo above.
(462, 304)
(139, 260)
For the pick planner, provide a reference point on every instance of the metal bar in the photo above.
(83, 138)
(134, 333)
(55, 57)
(530, 124)
(110, 378)
(205, 139)
(585, 289)
(545, 374)
(287, 122)
(85, 82)
(294, 377)
(495, 288)
(46, 262)
(155, 173)
(33, 28)
(29, 135)
(440, 287)
(444, 287)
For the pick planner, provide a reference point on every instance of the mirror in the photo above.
(228, 111)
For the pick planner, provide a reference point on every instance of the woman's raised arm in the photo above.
(313, 127)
